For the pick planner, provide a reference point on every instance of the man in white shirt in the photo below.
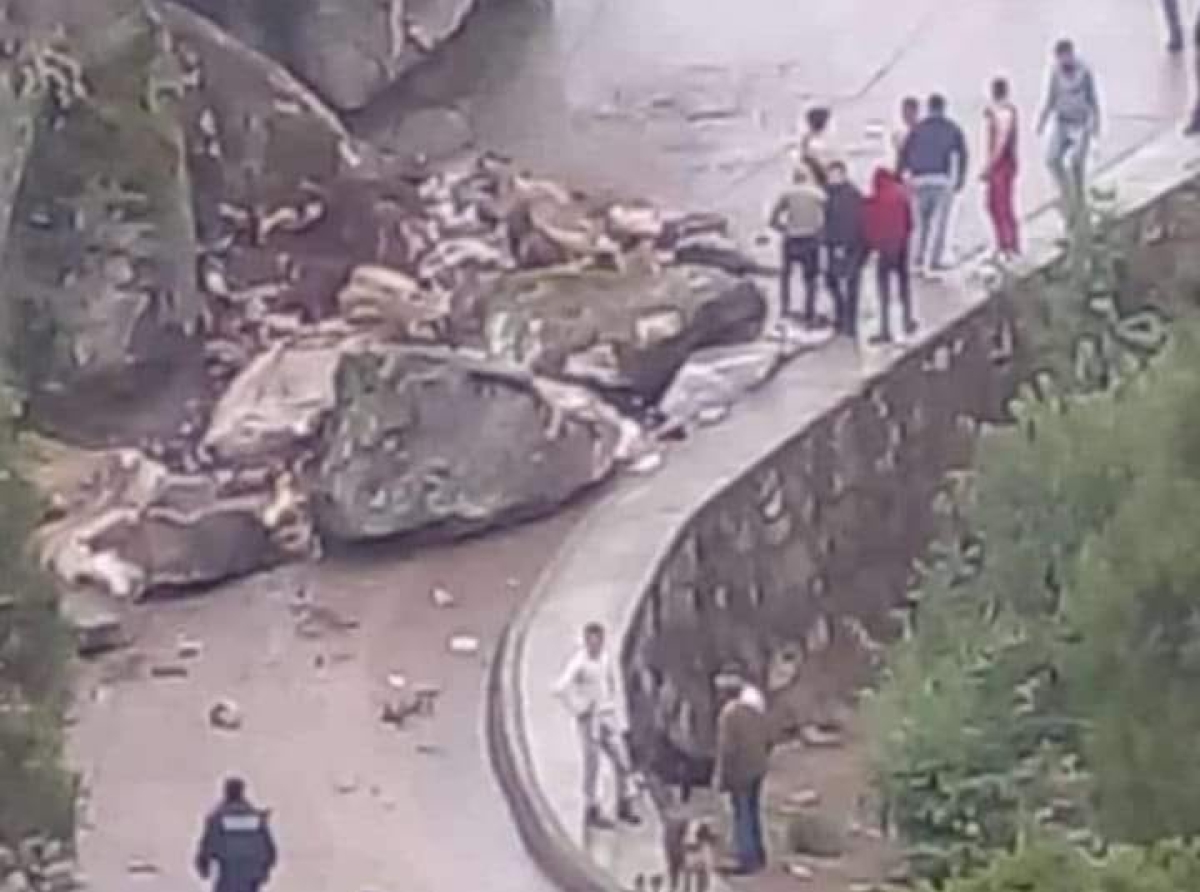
(588, 688)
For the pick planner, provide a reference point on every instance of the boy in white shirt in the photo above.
(587, 687)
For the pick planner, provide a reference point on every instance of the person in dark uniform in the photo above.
(237, 839)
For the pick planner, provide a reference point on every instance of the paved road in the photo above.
(687, 102)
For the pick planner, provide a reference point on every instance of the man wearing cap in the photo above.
(743, 752)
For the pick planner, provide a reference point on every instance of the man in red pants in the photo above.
(1000, 173)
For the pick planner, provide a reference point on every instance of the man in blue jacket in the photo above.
(237, 839)
(934, 162)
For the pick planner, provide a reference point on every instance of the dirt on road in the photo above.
(357, 805)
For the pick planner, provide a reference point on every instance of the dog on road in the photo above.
(690, 848)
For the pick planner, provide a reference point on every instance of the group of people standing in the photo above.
(830, 229)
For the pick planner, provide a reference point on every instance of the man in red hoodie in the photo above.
(888, 226)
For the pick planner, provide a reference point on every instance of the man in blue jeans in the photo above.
(1072, 108)
(934, 162)
(743, 751)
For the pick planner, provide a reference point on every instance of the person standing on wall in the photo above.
(910, 114)
(816, 151)
(743, 755)
(887, 225)
(1000, 174)
(845, 248)
(1072, 109)
(934, 161)
(799, 217)
(588, 688)
(1174, 26)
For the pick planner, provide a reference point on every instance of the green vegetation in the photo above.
(36, 794)
(1047, 690)
(1052, 867)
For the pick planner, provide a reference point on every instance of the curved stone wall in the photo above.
(792, 526)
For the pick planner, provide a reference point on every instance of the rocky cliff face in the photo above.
(99, 262)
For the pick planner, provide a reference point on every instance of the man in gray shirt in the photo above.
(1072, 109)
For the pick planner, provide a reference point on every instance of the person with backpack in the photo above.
(888, 227)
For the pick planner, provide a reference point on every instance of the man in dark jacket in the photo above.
(934, 161)
(743, 753)
(237, 839)
(845, 246)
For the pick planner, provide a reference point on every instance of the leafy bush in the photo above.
(1052, 867)
(36, 794)
(1049, 679)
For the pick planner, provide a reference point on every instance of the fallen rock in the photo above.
(441, 598)
(721, 252)
(625, 333)
(813, 835)
(426, 441)
(225, 715)
(464, 645)
(376, 296)
(715, 379)
(95, 622)
(276, 405)
(139, 527)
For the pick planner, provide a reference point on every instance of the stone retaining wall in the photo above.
(792, 527)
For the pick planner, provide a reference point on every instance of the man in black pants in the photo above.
(799, 216)
(845, 247)
(1193, 127)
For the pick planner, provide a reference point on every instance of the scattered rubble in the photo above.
(225, 715)
(464, 645)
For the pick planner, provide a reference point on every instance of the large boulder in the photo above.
(136, 528)
(624, 332)
(255, 134)
(274, 408)
(349, 50)
(99, 300)
(424, 440)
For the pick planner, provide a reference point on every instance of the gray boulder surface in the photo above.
(623, 332)
(424, 440)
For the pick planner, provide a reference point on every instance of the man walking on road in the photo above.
(799, 217)
(588, 688)
(743, 754)
(237, 839)
(934, 161)
(845, 248)
(1000, 175)
(1072, 108)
